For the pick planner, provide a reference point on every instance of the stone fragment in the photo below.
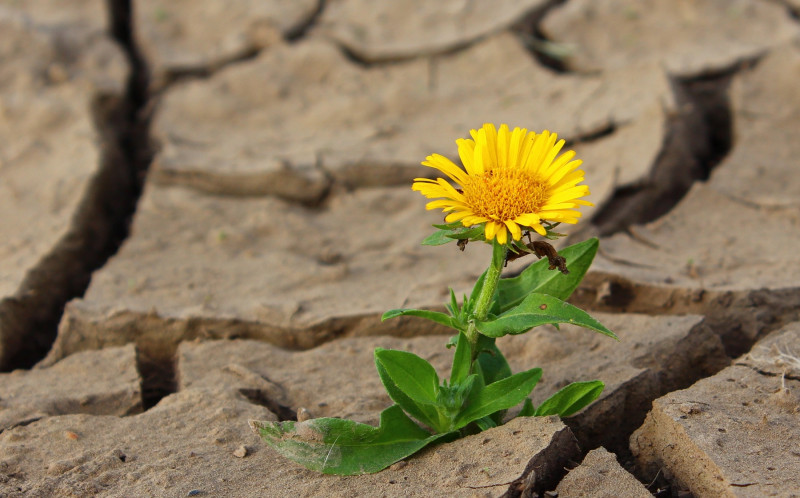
(187, 442)
(684, 37)
(183, 36)
(740, 437)
(204, 266)
(58, 62)
(761, 168)
(655, 354)
(381, 31)
(776, 355)
(338, 123)
(701, 244)
(95, 382)
(600, 476)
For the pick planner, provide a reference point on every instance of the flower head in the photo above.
(511, 181)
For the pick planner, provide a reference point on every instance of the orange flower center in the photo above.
(505, 193)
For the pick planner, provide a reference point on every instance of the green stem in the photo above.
(484, 301)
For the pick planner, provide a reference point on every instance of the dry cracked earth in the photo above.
(206, 208)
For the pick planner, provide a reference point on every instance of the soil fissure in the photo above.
(99, 226)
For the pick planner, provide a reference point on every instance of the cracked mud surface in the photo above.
(276, 224)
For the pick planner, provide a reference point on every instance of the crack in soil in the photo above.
(547, 53)
(292, 35)
(101, 222)
(739, 319)
(173, 76)
(300, 31)
(792, 11)
(767, 373)
(699, 136)
(262, 398)
(158, 379)
(592, 136)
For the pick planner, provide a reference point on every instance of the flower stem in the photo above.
(484, 301)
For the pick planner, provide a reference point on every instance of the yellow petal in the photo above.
(516, 231)
(451, 192)
(474, 220)
(568, 195)
(446, 166)
(559, 163)
(429, 190)
(456, 216)
(447, 204)
(548, 208)
(552, 153)
(560, 173)
(544, 143)
(490, 132)
(569, 180)
(527, 146)
(502, 235)
(491, 229)
(466, 151)
(503, 139)
(527, 219)
(515, 146)
(481, 161)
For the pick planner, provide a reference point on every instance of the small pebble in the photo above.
(690, 408)
(71, 435)
(399, 465)
(60, 467)
(194, 492)
(240, 452)
(303, 415)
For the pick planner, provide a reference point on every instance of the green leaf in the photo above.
(411, 374)
(539, 309)
(449, 226)
(434, 316)
(344, 447)
(462, 360)
(496, 417)
(527, 409)
(492, 366)
(426, 413)
(450, 232)
(469, 233)
(491, 360)
(571, 399)
(453, 306)
(486, 423)
(500, 395)
(537, 278)
(438, 238)
(498, 255)
(417, 383)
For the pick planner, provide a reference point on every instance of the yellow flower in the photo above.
(511, 181)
